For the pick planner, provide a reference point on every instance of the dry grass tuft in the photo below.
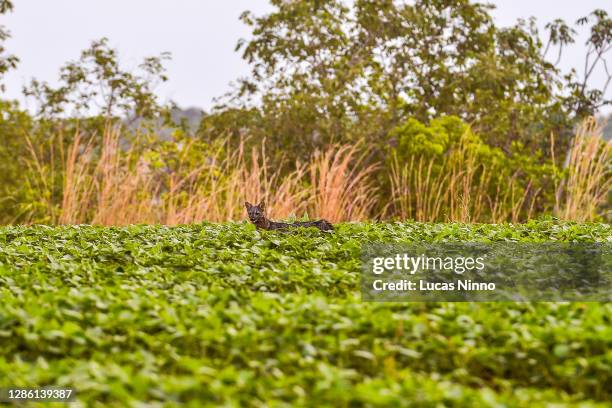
(216, 192)
(454, 188)
(589, 177)
(341, 190)
(122, 194)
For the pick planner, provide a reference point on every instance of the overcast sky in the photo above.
(200, 35)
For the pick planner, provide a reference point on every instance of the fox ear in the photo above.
(262, 205)
(248, 205)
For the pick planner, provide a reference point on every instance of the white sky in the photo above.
(200, 35)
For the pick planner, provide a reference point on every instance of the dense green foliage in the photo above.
(213, 314)
(333, 70)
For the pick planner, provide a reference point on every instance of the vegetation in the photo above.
(329, 71)
(439, 173)
(412, 113)
(226, 314)
(353, 111)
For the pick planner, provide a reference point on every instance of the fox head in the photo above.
(256, 212)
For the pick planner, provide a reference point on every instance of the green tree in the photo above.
(329, 70)
(96, 85)
(7, 61)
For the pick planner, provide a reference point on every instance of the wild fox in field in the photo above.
(258, 217)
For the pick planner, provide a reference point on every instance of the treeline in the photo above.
(419, 110)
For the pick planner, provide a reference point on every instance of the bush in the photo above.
(443, 171)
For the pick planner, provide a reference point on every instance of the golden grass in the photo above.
(216, 192)
(341, 189)
(338, 192)
(122, 194)
(109, 185)
(112, 186)
(455, 188)
(588, 181)
(103, 190)
(77, 186)
(415, 191)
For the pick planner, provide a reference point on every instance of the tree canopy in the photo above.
(331, 70)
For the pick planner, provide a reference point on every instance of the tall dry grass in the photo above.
(77, 186)
(340, 187)
(216, 192)
(122, 194)
(588, 181)
(455, 187)
(95, 188)
(109, 185)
